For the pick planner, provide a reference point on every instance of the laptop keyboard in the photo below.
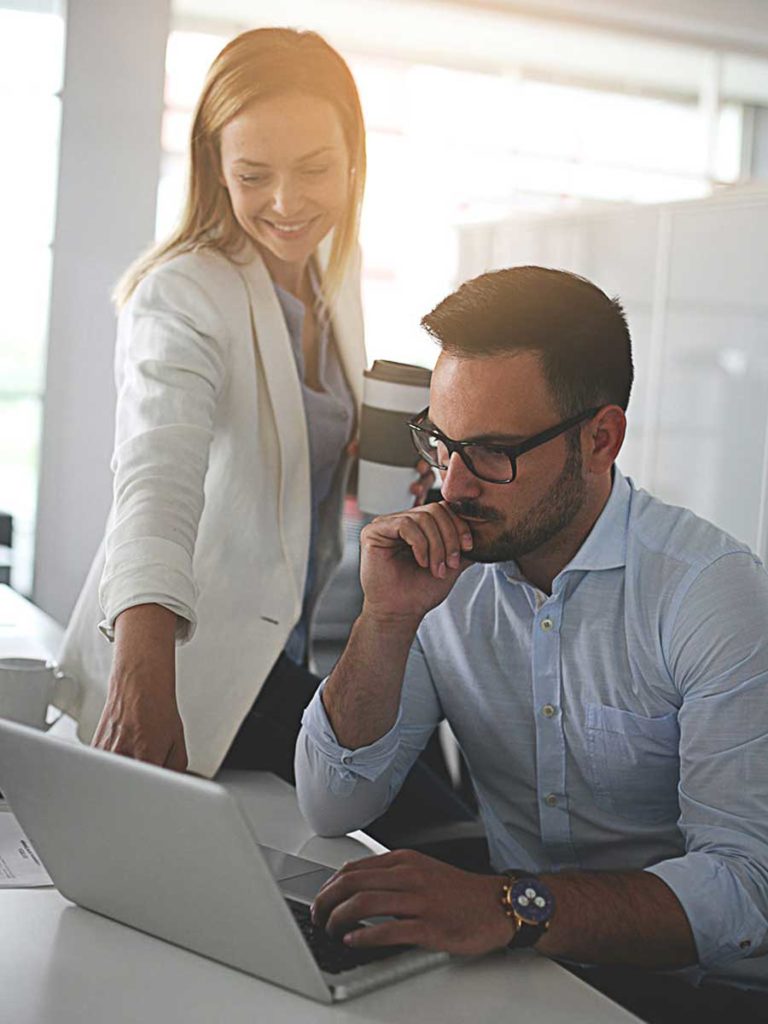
(331, 954)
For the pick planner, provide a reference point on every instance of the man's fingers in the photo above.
(410, 533)
(392, 858)
(418, 532)
(422, 523)
(435, 535)
(406, 932)
(452, 529)
(397, 875)
(372, 904)
(463, 532)
(344, 885)
(374, 862)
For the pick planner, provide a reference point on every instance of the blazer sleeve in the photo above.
(170, 367)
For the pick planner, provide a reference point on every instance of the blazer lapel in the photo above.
(348, 331)
(348, 321)
(273, 348)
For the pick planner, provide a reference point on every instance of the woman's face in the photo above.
(285, 164)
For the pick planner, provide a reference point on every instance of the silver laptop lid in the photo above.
(167, 853)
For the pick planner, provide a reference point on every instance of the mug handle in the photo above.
(66, 690)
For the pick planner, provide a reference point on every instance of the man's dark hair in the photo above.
(580, 335)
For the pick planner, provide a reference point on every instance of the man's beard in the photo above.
(552, 514)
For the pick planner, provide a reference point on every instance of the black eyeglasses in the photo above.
(494, 463)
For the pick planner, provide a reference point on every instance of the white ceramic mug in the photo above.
(27, 687)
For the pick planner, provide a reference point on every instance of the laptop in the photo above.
(174, 855)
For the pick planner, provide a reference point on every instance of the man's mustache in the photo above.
(474, 510)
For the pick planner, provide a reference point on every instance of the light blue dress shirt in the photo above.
(330, 415)
(620, 723)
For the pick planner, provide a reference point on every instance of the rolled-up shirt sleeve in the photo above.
(170, 368)
(339, 789)
(717, 653)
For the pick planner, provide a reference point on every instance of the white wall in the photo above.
(109, 168)
(692, 280)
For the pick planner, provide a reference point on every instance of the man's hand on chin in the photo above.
(409, 561)
(434, 905)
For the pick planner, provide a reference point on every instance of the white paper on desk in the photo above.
(20, 867)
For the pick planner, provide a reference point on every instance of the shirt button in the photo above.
(549, 710)
(346, 758)
(550, 800)
(546, 625)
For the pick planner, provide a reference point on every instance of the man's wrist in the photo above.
(396, 625)
(530, 904)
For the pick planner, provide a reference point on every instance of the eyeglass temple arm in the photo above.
(546, 435)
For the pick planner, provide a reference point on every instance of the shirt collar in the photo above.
(606, 544)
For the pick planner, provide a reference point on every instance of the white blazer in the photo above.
(211, 511)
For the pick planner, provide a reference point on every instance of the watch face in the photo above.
(532, 901)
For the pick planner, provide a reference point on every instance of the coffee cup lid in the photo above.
(399, 373)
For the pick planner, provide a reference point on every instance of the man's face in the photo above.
(506, 398)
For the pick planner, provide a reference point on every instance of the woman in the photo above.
(239, 367)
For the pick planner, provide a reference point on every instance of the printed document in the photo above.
(20, 866)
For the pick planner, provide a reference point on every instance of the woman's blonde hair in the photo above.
(258, 64)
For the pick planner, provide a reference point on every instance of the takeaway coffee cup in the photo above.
(27, 686)
(392, 394)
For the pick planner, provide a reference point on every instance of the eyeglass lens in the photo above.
(485, 462)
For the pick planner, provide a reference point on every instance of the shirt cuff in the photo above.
(365, 762)
(725, 923)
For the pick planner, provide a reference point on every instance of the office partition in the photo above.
(691, 277)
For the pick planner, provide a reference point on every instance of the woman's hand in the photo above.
(421, 486)
(141, 717)
(137, 722)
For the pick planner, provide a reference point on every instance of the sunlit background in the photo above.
(497, 133)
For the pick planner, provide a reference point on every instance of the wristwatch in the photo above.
(531, 904)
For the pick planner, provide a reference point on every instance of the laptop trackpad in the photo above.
(305, 887)
(297, 877)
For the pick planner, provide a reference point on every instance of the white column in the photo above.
(108, 175)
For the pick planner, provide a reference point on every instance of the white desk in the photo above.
(25, 631)
(63, 965)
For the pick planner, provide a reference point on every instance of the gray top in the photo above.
(330, 414)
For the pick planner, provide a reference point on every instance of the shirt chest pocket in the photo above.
(633, 763)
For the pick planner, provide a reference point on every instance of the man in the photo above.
(600, 655)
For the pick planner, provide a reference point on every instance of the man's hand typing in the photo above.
(601, 917)
(433, 905)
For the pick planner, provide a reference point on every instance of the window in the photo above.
(448, 145)
(31, 65)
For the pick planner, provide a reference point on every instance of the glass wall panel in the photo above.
(31, 68)
(20, 423)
